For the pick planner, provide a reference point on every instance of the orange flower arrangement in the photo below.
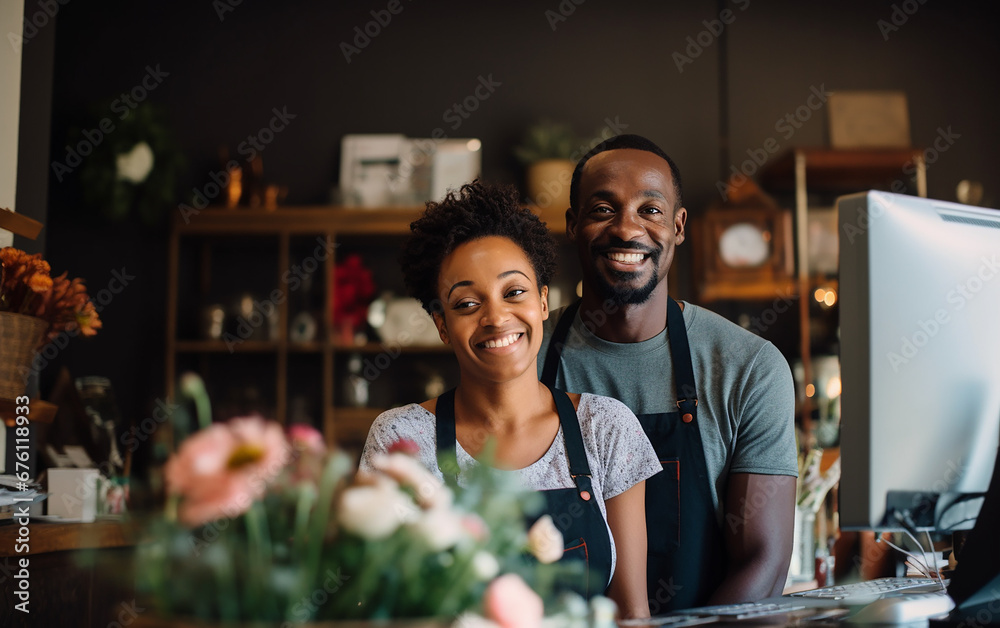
(27, 287)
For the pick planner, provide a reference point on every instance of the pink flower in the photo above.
(310, 450)
(512, 604)
(306, 438)
(221, 470)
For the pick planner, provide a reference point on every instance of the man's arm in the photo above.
(757, 528)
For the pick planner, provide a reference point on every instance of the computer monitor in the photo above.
(920, 361)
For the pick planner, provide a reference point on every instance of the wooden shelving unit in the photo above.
(282, 232)
(830, 172)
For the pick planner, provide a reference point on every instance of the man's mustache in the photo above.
(618, 243)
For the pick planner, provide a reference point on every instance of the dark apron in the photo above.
(686, 558)
(574, 511)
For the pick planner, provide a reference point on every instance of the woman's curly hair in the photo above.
(477, 210)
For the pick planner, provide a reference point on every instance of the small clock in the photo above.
(744, 245)
(742, 252)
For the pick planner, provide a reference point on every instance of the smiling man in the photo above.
(716, 401)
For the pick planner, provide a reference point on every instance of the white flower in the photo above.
(603, 610)
(485, 565)
(134, 166)
(471, 620)
(545, 541)
(408, 471)
(374, 512)
(441, 527)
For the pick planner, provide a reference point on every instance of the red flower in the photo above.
(353, 290)
(405, 446)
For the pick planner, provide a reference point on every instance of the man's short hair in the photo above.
(636, 142)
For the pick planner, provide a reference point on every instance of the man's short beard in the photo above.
(620, 294)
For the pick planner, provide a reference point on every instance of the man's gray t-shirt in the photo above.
(746, 399)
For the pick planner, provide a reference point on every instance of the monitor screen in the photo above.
(920, 360)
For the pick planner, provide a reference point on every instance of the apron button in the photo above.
(687, 418)
(585, 495)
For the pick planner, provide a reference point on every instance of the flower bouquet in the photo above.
(270, 526)
(35, 309)
(27, 287)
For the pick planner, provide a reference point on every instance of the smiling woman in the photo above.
(480, 265)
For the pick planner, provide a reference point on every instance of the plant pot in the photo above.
(20, 335)
(549, 182)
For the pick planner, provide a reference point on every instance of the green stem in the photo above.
(229, 608)
(307, 499)
(259, 551)
(336, 467)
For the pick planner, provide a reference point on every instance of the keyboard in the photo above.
(870, 589)
(711, 614)
(747, 610)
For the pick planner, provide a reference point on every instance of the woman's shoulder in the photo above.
(606, 408)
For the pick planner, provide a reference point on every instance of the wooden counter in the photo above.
(80, 574)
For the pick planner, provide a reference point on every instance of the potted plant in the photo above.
(546, 150)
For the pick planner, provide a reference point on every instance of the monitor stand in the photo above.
(975, 585)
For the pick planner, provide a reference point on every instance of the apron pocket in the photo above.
(663, 509)
(576, 550)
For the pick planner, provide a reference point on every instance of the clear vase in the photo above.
(802, 567)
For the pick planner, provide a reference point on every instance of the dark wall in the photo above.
(605, 61)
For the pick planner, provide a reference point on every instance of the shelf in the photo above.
(746, 291)
(58, 537)
(316, 219)
(842, 170)
(348, 220)
(383, 347)
(220, 346)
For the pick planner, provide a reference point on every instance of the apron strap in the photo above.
(680, 354)
(556, 344)
(579, 467)
(444, 414)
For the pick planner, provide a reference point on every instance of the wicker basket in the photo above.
(20, 335)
